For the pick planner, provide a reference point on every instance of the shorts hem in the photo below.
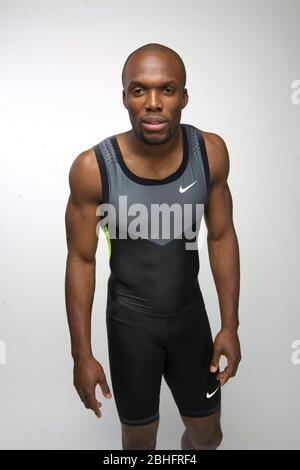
(194, 414)
(139, 422)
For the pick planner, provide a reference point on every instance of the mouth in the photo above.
(154, 125)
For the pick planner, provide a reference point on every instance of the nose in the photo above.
(153, 101)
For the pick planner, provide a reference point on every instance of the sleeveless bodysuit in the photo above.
(156, 319)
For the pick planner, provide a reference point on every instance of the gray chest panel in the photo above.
(159, 210)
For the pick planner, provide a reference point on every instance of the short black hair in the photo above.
(156, 47)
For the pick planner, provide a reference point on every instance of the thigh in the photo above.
(196, 390)
(136, 360)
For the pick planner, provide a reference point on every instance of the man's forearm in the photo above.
(79, 294)
(225, 266)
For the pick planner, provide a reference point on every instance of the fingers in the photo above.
(104, 387)
(90, 402)
(224, 376)
(93, 404)
(87, 374)
(214, 365)
(229, 371)
(89, 399)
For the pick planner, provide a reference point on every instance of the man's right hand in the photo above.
(87, 374)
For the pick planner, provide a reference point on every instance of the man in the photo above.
(157, 324)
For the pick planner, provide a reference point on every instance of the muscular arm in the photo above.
(81, 222)
(223, 255)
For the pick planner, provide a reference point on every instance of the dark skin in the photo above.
(157, 90)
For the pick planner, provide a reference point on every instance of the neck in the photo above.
(154, 150)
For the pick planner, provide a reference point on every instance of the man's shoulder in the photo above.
(217, 155)
(213, 140)
(84, 163)
(84, 174)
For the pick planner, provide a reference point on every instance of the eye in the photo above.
(136, 90)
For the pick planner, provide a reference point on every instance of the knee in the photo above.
(138, 444)
(139, 437)
(209, 441)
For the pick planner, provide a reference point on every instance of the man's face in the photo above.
(153, 89)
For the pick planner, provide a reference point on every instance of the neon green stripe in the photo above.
(105, 230)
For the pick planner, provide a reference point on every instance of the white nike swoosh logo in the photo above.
(208, 395)
(182, 190)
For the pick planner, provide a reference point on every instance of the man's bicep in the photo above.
(218, 214)
(81, 224)
(81, 217)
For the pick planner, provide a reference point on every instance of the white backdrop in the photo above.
(61, 93)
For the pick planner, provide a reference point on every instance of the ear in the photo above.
(185, 98)
(124, 98)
